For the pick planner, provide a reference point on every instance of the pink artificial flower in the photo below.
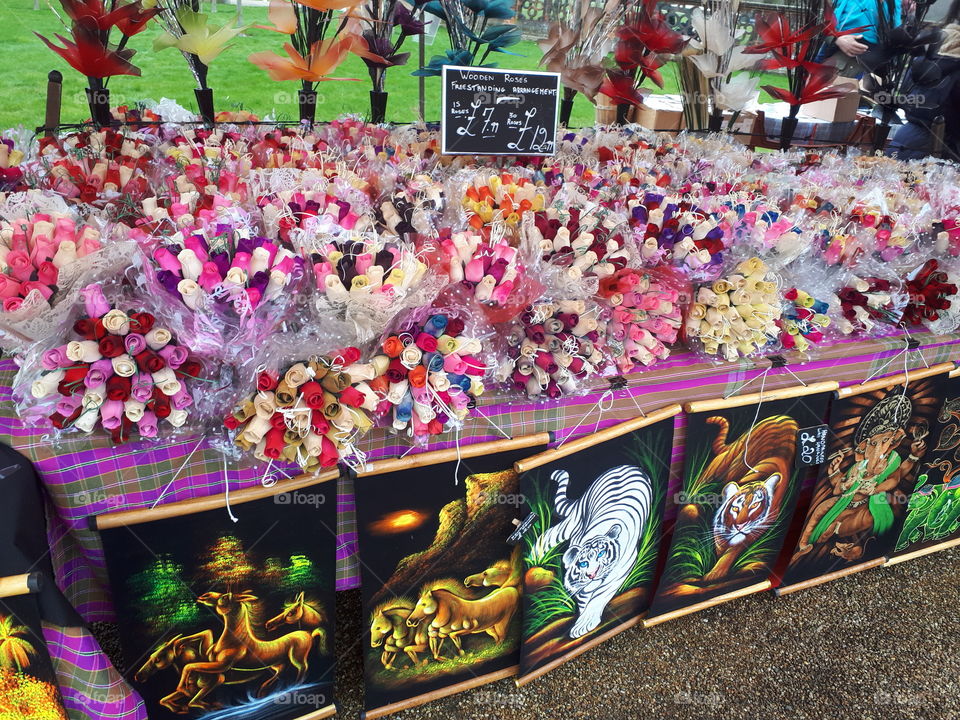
(96, 304)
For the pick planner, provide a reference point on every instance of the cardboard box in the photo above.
(840, 110)
(660, 112)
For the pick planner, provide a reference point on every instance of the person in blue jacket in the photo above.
(858, 14)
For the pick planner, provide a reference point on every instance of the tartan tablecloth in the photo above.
(86, 476)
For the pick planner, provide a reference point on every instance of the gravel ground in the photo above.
(881, 645)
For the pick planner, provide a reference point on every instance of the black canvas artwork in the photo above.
(222, 620)
(590, 555)
(933, 509)
(441, 586)
(28, 686)
(878, 441)
(742, 477)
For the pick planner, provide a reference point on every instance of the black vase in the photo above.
(716, 121)
(205, 103)
(622, 111)
(788, 128)
(307, 102)
(378, 107)
(99, 101)
(566, 109)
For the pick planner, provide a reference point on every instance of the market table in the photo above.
(87, 475)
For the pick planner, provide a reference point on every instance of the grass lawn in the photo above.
(236, 83)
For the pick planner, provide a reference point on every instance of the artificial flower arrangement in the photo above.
(121, 371)
(100, 168)
(803, 321)
(796, 40)
(501, 197)
(581, 243)
(223, 267)
(433, 375)
(717, 63)
(551, 348)
(869, 304)
(736, 315)
(310, 412)
(319, 40)
(576, 48)
(491, 270)
(472, 36)
(932, 296)
(191, 32)
(645, 315)
(33, 250)
(645, 42)
(669, 227)
(388, 24)
(89, 50)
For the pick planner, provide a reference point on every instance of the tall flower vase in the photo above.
(788, 129)
(307, 102)
(98, 99)
(881, 131)
(623, 110)
(566, 106)
(205, 103)
(716, 120)
(378, 107)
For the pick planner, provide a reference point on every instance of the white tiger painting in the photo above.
(603, 529)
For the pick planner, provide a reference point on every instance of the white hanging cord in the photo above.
(177, 473)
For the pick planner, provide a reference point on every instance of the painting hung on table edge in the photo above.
(221, 620)
(441, 586)
(591, 554)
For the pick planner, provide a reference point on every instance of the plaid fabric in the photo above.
(86, 476)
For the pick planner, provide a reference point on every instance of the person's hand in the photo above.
(851, 46)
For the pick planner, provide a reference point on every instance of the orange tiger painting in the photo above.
(755, 474)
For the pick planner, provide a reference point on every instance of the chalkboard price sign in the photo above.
(489, 111)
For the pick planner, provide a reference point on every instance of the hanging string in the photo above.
(177, 473)
(756, 416)
(456, 469)
(226, 492)
(268, 480)
(606, 397)
(490, 420)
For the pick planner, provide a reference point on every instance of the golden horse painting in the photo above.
(441, 586)
(227, 621)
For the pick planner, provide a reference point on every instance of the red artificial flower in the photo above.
(161, 406)
(266, 382)
(775, 34)
(130, 19)
(231, 423)
(191, 368)
(454, 327)
(351, 397)
(89, 55)
(816, 88)
(141, 322)
(148, 361)
(118, 388)
(619, 87)
(112, 346)
(89, 328)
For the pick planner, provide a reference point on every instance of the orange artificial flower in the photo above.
(393, 346)
(418, 376)
(281, 14)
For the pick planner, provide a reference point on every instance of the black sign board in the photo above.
(488, 111)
